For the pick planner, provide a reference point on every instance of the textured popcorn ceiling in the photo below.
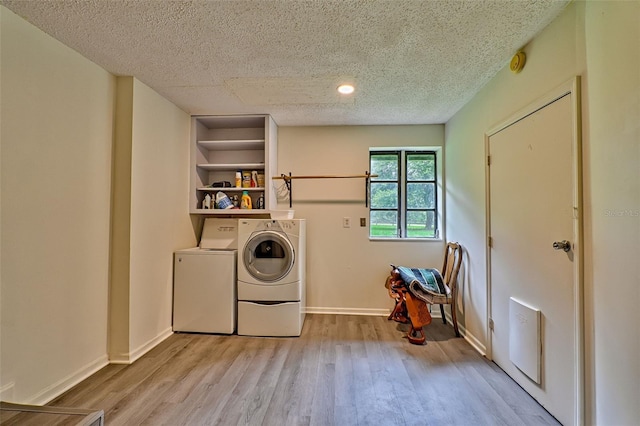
(412, 62)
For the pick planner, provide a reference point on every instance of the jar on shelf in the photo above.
(246, 179)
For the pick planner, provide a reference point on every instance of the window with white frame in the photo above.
(404, 195)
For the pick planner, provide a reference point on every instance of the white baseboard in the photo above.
(473, 341)
(470, 338)
(6, 392)
(123, 358)
(132, 356)
(53, 391)
(348, 311)
(435, 313)
(143, 349)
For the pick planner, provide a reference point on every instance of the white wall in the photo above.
(612, 161)
(598, 40)
(55, 177)
(57, 119)
(119, 295)
(151, 217)
(160, 222)
(346, 271)
(465, 160)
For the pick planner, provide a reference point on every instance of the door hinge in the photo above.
(488, 160)
(491, 324)
(490, 242)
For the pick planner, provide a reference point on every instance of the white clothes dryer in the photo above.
(271, 277)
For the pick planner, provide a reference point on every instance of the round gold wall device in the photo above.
(517, 62)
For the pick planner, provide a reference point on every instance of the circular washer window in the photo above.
(268, 256)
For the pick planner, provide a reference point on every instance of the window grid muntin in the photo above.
(403, 157)
(398, 210)
(405, 176)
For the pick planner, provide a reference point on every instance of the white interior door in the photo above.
(532, 204)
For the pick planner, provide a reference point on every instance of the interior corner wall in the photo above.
(119, 298)
(160, 221)
(150, 217)
(57, 129)
(612, 164)
(345, 270)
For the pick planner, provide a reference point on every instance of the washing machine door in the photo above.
(268, 256)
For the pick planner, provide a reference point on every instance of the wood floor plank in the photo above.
(259, 400)
(484, 395)
(222, 392)
(243, 394)
(372, 387)
(323, 409)
(380, 351)
(303, 387)
(342, 370)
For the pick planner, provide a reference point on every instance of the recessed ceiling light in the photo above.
(345, 89)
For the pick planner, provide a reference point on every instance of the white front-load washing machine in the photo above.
(271, 277)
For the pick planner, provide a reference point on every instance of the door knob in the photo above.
(562, 245)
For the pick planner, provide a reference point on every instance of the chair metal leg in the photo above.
(444, 319)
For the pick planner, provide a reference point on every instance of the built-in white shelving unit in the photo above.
(234, 167)
(224, 145)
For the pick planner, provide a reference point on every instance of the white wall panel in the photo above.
(57, 130)
(345, 270)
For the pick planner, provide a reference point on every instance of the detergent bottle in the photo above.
(245, 203)
(206, 203)
(223, 201)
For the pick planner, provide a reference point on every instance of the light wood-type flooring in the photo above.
(343, 370)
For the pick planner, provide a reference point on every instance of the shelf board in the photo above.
(226, 166)
(229, 189)
(231, 121)
(232, 212)
(233, 145)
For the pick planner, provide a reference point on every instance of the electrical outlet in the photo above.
(363, 221)
(346, 222)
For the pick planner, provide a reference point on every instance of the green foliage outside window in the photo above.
(403, 191)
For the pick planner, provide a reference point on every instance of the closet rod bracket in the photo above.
(367, 176)
(287, 182)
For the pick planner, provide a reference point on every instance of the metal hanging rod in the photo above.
(287, 181)
(285, 177)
